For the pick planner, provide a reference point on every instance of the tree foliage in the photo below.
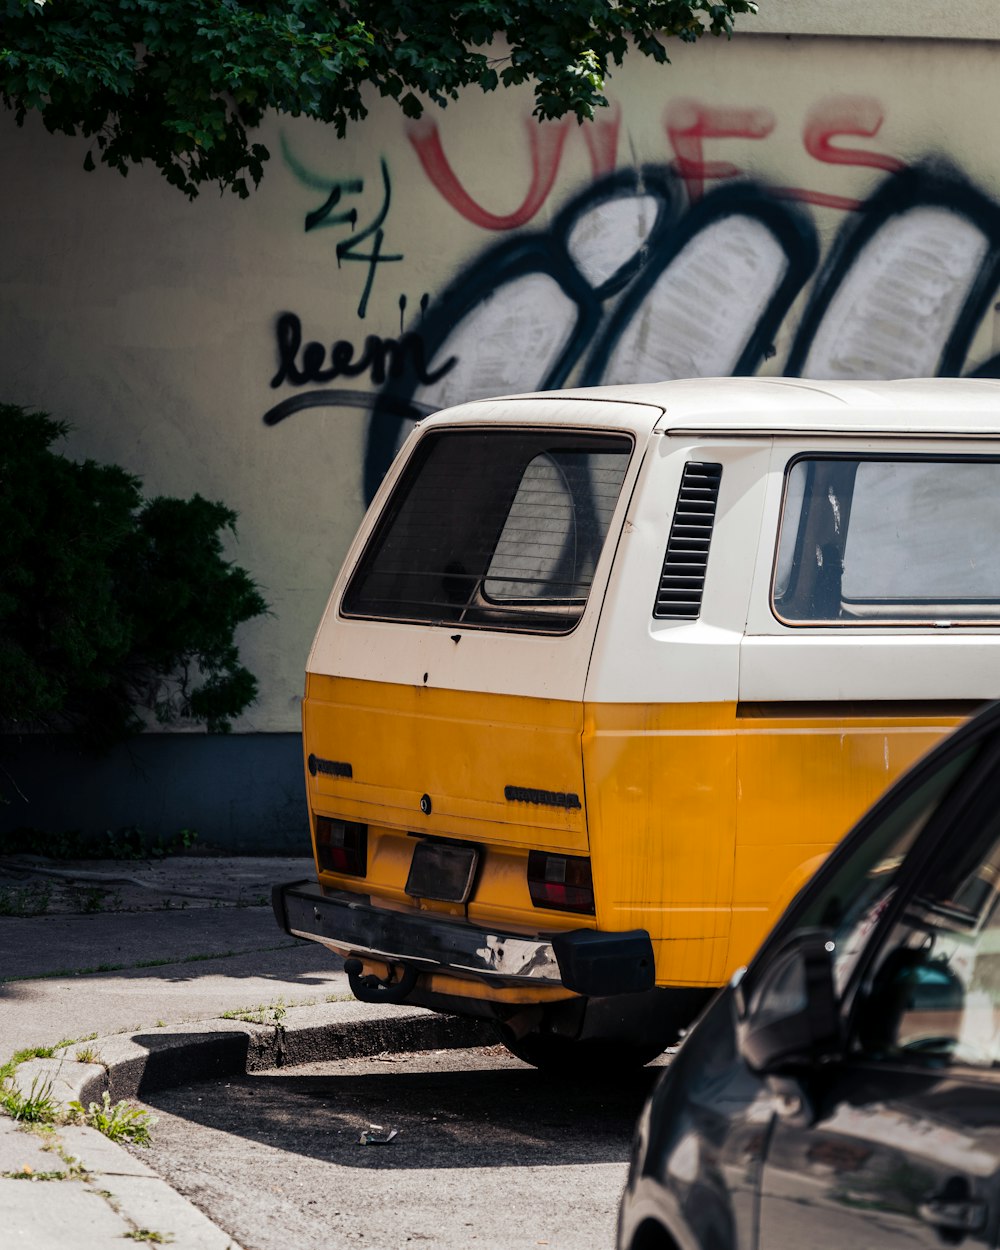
(109, 602)
(182, 83)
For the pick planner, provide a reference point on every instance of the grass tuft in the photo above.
(37, 1106)
(261, 1014)
(121, 1122)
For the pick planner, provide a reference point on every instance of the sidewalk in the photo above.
(147, 976)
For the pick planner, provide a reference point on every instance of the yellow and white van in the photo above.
(608, 672)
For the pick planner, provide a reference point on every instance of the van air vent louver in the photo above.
(682, 581)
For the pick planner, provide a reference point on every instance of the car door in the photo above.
(897, 1143)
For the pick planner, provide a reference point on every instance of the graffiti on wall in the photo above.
(686, 268)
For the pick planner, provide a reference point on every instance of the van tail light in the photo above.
(560, 882)
(342, 846)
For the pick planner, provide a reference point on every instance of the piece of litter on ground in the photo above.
(376, 1135)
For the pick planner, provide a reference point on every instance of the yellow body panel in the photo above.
(701, 820)
(460, 748)
(705, 821)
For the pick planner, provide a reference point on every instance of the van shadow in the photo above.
(475, 1115)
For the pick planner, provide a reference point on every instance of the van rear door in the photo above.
(445, 689)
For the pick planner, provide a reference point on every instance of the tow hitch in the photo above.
(372, 989)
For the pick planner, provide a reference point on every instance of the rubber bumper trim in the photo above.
(351, 924)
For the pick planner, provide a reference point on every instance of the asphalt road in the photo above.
(488, 1153)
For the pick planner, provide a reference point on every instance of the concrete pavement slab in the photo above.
(43, 1012)
(95, 1153)
(150, 1203)
(23, 1152)
(170, 973)
(106, 1197)
(58, 1215)
(158, 965)
(174, 881)
(44, 946)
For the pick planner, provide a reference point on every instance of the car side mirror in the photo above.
(790, 1014)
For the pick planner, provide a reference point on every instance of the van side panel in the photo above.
(662, 805)
(705, 865)
(805, 778)
(660, 740)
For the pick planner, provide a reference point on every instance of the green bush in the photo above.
(109, 602)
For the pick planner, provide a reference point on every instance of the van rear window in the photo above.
(493, 529)
(878, 540)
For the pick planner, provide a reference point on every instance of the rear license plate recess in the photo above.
(442, 871)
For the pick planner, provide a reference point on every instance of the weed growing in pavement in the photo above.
(87, 1054)
(92, 899)
(8, 1069)
(258, 900)
(148, 1234)
(121, 1122)
(28, 900)
(44, 1132)
(110, 1199)
(261, 1014)
(29, 1174)
(37, 1106)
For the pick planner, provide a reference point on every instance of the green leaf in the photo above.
(183, 83)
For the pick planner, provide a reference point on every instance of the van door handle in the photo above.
(953, 1210)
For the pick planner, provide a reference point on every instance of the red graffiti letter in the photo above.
(688, 123)
(846, 115)
(841, 115)
(601, 138)
(545, 141)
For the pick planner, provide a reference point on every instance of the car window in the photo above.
(851, 900)
(935, 996)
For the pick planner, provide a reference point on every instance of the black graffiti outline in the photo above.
(936, 183)
(603, 311)
(788, 225)
(544, 252)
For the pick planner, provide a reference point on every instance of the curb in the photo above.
(139, 1063)
(130, 1198)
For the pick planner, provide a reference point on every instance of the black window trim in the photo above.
(930, 625)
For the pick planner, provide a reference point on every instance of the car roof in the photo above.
(749, 406)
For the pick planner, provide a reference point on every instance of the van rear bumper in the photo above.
(586, 961)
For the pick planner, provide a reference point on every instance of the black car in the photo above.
(844, 1091)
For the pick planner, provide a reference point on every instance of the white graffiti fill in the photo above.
(892, 315)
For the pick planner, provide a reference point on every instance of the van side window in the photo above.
(498, 529)
(878, 540)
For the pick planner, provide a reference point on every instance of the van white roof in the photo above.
(952, 406)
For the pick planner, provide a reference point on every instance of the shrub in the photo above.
(110, 603)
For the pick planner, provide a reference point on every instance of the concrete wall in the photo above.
(806, 203)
